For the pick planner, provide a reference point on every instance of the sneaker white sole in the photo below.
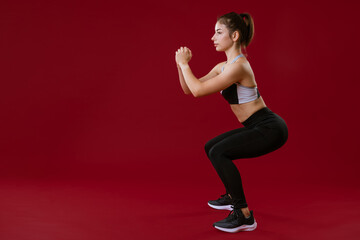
(224, 207)
(238, 229)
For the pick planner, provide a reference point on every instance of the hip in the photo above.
(268, 123)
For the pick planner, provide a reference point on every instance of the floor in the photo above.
(62, 209)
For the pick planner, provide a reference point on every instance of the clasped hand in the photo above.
(183, 56)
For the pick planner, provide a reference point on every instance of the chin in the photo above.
(219, 49)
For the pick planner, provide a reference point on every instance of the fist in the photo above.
(183, 55)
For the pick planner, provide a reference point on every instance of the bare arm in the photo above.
(214, 72)
(212, 82)
(233, 73)
(183, 84)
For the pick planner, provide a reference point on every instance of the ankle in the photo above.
(246, 212)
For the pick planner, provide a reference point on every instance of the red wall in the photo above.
(90, 88)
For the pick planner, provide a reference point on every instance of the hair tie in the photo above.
(243, 17)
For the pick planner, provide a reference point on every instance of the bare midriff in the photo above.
(245, 110)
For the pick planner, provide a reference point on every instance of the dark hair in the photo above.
(243, 23)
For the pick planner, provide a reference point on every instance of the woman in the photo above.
(263, 130)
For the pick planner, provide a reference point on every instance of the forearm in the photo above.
(183, 84)
(192, 83)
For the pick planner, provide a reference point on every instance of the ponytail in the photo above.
(249, 25)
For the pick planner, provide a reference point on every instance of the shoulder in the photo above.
(240, 67)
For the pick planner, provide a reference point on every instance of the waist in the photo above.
(264, 114)
(245, 110)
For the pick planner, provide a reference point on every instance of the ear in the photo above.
(235, 36)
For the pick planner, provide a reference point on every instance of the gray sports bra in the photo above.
(237, 94)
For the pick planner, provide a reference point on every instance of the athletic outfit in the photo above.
(263, 132)
(236, 93)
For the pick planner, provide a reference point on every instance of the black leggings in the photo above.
(263, 132)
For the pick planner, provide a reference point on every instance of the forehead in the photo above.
(220, 26)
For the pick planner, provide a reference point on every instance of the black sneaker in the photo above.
(223, 203)
(236, 222)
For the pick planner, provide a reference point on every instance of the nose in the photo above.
(212, 38)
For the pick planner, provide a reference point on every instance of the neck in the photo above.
(231, 53)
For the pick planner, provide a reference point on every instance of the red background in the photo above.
(93, 117)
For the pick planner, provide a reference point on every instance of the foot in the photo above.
(236, 221)
(223, 203)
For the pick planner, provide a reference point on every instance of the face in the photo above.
(221, 38)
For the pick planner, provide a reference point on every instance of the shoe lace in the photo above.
(236, 212)
(223, 196)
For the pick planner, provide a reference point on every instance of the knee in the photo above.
(215, 156)
(207, 147)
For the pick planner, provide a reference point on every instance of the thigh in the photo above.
(247, 143)
(221, 137)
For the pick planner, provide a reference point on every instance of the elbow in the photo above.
(187, 92)
(199, 91)
(197, 94)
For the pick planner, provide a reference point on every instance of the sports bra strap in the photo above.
(237, 57)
